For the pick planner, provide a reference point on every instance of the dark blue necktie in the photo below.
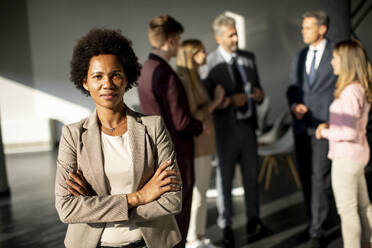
(312, 69)
(239, 84)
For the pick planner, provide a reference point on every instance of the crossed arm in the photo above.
(77, 202)
(161, 182)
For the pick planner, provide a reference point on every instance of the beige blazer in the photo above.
(80, 148)
(205, 143)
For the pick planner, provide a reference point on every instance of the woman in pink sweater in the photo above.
(348, 146)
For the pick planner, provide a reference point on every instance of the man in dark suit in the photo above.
(161, 93)
(235, 124)
(309, 95)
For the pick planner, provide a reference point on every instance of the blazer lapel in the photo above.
(136, 137)
(92, 143)
(326, 58)
(224, 74)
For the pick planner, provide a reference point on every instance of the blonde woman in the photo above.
(190, 56)
(348, 146)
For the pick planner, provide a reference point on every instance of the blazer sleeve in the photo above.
(169, 203)
(205, 77)
(294, 91)
(256, 78)
(173, 95)
(82, 209)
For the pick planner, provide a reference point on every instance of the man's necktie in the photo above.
(239, 84)
(312, 69)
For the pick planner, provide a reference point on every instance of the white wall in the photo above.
(272, 32)
(40, 35)
(25, 114)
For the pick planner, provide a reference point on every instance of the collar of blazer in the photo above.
(324, 65)
(91, 138)
(156, 57)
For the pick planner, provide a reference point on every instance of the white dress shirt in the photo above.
(319, 53)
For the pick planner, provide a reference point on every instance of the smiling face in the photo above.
(106, 81)
(228, 38)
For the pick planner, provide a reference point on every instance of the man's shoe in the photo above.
(256, 227)
(228, 240)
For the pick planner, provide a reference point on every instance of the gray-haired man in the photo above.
(235, 123)
(309, 94)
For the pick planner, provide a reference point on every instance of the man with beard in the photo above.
(235, 123)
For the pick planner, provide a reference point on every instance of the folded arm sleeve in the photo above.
(82, 209)
(171, 202)
(294, 90)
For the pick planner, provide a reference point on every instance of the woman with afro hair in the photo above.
(117, 179)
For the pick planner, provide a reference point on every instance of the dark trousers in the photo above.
(314, 169)
(239, 146)
(185, 159)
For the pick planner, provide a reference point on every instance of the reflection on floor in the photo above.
(28, 218)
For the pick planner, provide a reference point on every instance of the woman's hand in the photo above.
(77, 185)
(206, 128)
(161, 182)
(218, 98)
(225, 103)
(318, 132)
(219, 94)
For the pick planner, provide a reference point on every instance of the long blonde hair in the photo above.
(185, 59)
(354, 66)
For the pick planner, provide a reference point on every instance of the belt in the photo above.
(137, 244)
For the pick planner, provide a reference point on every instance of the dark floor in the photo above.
(28, 218)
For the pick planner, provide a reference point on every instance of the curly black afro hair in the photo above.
(103, 41)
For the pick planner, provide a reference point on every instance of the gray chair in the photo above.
(280, 149)
(262, 113)
(275, 132)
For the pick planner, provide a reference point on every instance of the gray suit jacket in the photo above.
(316, 97)
(80, 148)
(215, 72)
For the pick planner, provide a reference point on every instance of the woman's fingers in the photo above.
(168, 173)
(78, 183)
(170, 180)
(85, 183)
(76, 178)
(162, 181)
(80, 174)
(171, 187)
(73, 191)
(162, 167)
(79, 178)
(76, 187)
